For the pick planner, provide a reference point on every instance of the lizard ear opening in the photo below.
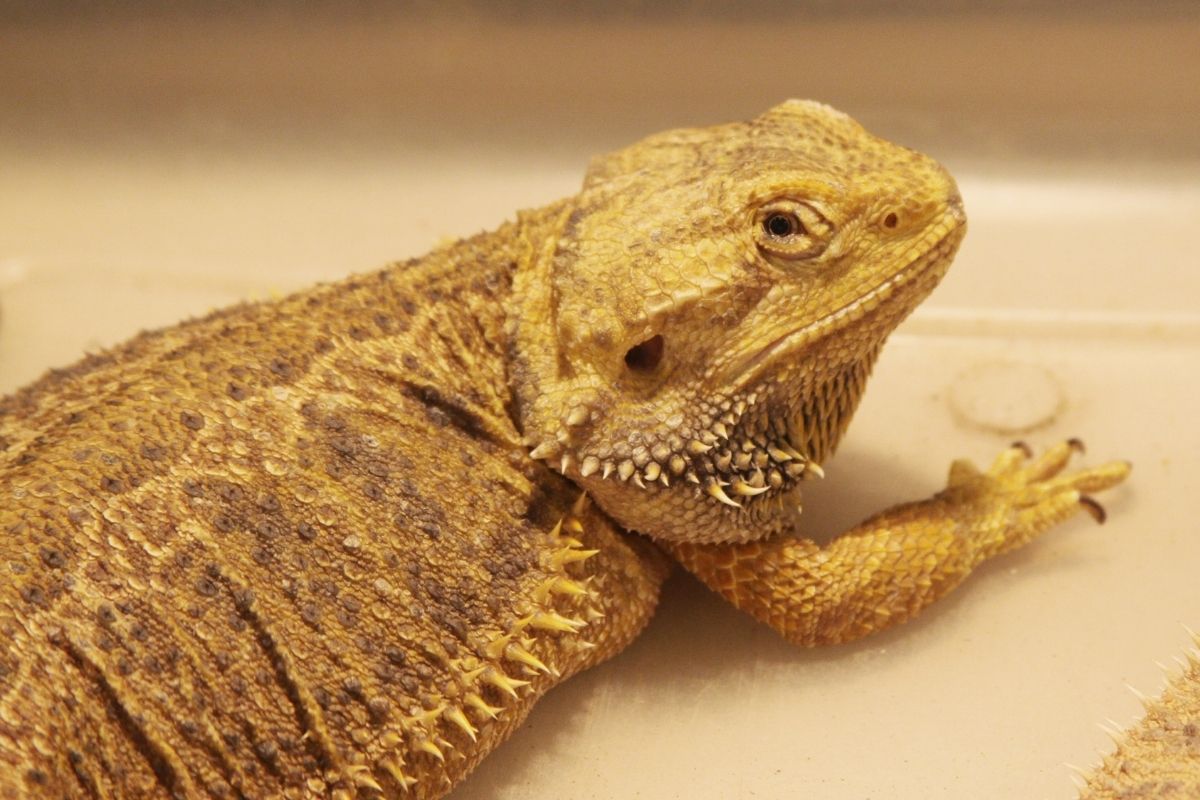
(645, 357)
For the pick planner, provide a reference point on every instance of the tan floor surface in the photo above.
(146, 174)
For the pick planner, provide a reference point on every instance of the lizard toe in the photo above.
(1051, 462)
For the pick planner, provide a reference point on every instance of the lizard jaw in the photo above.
(935, 254)
(748, 452)
(779, 442)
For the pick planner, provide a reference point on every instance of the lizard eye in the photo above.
(791, 230)
(782, 225)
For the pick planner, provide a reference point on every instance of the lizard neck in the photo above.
(458, 305)
(449, 349)
(535, 362)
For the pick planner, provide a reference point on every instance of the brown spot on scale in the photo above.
(153, 452)
(281, 367)
(231, 492)
(191, 420)
(268, 503)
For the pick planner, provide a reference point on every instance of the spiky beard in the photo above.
(746, 455)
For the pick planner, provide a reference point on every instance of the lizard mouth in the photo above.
(793, 420)
(926, 269)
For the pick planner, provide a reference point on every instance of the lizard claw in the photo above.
(1051, 462)
(1020, 444)
(1093, 508)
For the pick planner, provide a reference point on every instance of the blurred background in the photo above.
(161, 160)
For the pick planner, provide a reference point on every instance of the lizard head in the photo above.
(693, 335)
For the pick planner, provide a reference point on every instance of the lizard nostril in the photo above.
(645, 356)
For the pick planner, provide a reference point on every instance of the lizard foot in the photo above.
(1021, 495)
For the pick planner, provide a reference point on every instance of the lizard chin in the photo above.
(732, 471)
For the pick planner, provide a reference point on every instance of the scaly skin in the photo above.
(330, 547)
(294, 547)
(1159, 759)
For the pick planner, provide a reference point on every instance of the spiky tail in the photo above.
(1159, 758)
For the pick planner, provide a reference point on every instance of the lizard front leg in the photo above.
(891, 566)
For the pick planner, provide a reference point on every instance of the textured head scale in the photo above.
(695, 334)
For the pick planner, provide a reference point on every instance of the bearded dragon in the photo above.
(337, 545)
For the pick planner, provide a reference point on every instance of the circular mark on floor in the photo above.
(1006, 397)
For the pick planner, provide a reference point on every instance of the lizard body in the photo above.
(334, 545)
(213, 572)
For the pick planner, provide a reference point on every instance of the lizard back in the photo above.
(293, 548)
